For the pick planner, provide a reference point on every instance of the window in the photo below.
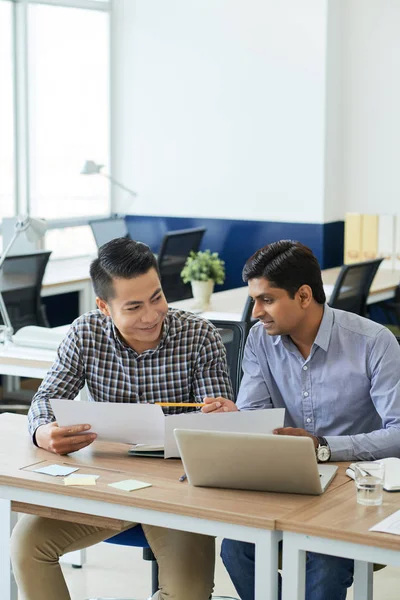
(7, 159)
(68, 110)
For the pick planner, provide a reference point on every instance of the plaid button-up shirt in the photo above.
(188, 364)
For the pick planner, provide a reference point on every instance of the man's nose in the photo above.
(258, 309)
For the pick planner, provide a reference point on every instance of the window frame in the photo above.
(21, 104)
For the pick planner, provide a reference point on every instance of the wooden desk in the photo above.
(241, 515)
(229, 304)
(339, 526)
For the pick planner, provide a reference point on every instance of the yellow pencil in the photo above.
(181, 404)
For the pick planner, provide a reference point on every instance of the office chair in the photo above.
(20, 284)
(233, 334)
(174, 250)
(105, 230)
(352, 286)
(246, 315)
(391, 309)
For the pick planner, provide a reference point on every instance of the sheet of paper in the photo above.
(114, 421)
(75, 480)
(128, 485)
(389, 525)
(56, 470)
(245, 421)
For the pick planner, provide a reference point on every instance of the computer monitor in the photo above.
(105, 230)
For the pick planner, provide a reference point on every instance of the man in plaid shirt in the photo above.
(132, 349)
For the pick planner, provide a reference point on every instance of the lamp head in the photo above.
(34, 228)
(91, 168)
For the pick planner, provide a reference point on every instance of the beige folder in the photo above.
(352, 238)
(369, 237)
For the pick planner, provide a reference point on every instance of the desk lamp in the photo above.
(34, 230)
(92, 168)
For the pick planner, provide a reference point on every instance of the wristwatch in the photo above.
(323, 451)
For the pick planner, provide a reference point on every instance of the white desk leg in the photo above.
(294, 570)
(363, 580)
(7, 521)
(266, 566)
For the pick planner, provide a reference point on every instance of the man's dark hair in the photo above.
(287, 265)
(121, 258)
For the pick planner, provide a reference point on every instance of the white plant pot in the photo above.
(202, 291)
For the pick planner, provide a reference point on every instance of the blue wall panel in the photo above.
(236, 240)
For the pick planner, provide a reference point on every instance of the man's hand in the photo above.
(296, 431)
(63, 440)
(218, 405)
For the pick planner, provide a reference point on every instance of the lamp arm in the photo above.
(3, 309)
(8, 248)
(118, 184)
(5, 317)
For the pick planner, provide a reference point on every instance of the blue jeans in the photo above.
(327, 577)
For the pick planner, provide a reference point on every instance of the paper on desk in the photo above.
(245, 421)
(114, 421)
(128, 485)
(55, 470)
(83, 480)
(389, 525)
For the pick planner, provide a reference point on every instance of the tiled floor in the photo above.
(119, 572)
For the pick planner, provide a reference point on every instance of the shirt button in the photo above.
(308, 420)
(305, 394)
(305, 368)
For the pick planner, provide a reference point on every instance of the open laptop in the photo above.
(252, 461)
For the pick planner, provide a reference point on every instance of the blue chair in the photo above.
(135, 537)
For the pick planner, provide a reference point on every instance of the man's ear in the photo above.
(305, 295)
(103, 307)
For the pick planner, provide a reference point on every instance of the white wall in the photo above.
(371, 106)
(219, 107)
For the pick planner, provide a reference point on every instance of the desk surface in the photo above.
(167, 494)
(339, 517)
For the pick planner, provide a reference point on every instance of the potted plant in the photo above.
(203, 269)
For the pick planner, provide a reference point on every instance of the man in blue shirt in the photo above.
(336, 374)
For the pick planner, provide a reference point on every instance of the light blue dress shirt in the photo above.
(347, 390)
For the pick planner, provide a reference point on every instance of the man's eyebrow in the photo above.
(137, 302)
(262, 295)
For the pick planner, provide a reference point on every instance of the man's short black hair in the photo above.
(287, 265)
(121, 258)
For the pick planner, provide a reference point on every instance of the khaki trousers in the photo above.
(185, 560)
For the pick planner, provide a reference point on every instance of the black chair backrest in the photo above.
(174, 250)
(20, 284)
(246, 315)
(233, 334)
(352, 286)
(108, 229)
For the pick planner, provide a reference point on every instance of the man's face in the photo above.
(138, 310)
(279, 313)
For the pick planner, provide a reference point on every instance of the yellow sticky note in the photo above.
(128, 485)
(71, 480)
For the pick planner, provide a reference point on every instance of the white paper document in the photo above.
(389, 525)
(114, 421)
(147, 424)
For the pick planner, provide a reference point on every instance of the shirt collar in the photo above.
(324, 332)
(325, 329)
